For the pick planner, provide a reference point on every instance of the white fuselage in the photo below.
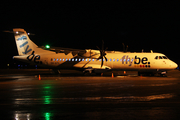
(116, 61)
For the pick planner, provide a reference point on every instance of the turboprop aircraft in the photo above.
(97, 61)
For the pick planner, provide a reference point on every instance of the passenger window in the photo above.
(54, 59)
(79, 59)
(59, 59)
(117, 60)
(63, 59)
(83, 59)
(110, 60)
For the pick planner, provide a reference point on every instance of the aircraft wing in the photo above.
(83, 53)
(63, 50)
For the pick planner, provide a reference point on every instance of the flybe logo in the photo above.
(138, 62)
(141, 62)
(35, 58)
(24, 45)
(127, 60)
(22, 38)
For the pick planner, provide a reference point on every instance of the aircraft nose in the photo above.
(173, 65)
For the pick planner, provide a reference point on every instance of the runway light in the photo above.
(47, 46)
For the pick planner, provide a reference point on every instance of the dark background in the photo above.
(150, 25)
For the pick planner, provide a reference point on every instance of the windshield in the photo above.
(160, 57)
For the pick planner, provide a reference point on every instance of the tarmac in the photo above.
(28, 94)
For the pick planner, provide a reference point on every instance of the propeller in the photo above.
(125, 50)
(102, 53)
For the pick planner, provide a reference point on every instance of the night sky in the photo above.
(140, 25)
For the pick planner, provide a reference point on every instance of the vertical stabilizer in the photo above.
(24, 45)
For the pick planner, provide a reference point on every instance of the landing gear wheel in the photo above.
(163, 74)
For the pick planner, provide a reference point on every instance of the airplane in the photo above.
(88, 60)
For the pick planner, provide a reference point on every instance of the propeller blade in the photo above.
(102, 53)
(126, 48)
(102, 62)
(123, 47)
(105, 58)
(98, 48)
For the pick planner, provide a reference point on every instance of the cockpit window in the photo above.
(164, 57)
(161, 57)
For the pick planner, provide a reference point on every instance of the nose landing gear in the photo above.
(160, 73)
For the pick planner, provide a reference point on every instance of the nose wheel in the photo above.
(163, 73)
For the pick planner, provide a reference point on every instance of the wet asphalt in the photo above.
(24, 97)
